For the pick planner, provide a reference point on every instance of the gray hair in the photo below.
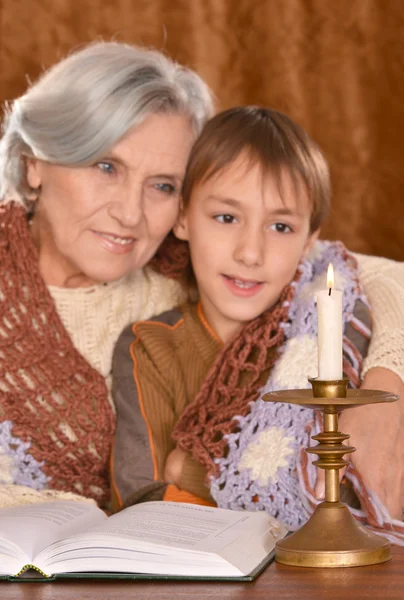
(83, 105)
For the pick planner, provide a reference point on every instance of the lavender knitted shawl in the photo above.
(262, 469)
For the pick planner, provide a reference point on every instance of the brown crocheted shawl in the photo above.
(56, 422)
(233, 381)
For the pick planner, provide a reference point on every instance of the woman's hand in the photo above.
(377, 433)
(174, 465)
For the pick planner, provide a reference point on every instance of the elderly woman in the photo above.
(91, 165)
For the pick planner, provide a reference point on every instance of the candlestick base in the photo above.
(332, 537)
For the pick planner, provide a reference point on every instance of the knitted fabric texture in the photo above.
(172, 259)
(95, 316)
(232, 382)
(56, 424)
(383, 281)
(17, 495)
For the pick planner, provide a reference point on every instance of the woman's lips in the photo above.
(115, 243)
(244, 288)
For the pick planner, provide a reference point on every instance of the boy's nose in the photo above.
(250, 249)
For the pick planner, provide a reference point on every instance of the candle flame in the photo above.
(330, 276)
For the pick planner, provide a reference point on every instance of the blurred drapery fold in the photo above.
(336, 66)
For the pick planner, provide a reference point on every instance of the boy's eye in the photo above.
(106, 167)
(228, 219)
(281, 228)
(166, 188)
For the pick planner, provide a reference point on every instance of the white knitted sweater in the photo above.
(95, 317)
(383, 282)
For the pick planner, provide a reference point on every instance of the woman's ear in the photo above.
(33, 175)
(311, 240)
(180, 228)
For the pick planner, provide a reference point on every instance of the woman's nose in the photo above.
(250, 249)
(128, 209)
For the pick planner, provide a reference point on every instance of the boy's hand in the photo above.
(174, 465)
(376, 432)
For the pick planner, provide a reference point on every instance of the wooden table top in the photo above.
(278, 582)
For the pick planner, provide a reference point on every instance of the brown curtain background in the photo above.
(336, 66)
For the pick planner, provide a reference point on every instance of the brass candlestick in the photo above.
(332, 537)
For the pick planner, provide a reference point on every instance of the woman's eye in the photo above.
(166, 188)
(281, 228)
(228, 219)
(106, 167)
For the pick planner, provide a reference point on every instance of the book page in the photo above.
(166, 538)
(178, 525)
(32, 527)
(248, 550)
(170, 528)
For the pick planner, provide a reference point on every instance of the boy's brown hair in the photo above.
(267, 137)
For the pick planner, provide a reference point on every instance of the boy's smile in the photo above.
(247, 233)
(242, 287)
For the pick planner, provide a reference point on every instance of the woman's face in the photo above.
(98, 223)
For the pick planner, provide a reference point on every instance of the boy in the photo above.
(255, 194)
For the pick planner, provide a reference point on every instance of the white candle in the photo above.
(329, 311)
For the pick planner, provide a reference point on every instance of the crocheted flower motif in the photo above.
(274, 486)
(266, 455)
(16, 464)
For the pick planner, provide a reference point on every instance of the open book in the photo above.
(150, 539)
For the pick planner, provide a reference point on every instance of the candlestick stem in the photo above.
(330, 448)
(332, 486)
(332, 493)
(330, 421)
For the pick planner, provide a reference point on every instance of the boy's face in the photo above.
(246, 241)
